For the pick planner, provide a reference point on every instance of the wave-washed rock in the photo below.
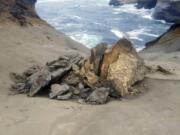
(148, 4)
(168, 10)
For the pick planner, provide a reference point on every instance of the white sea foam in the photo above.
(134, 34)
(130, 8)
(117, 33)
(87, 39)
(148, 16)
(75, 17)
(138, 49)
(150, 34)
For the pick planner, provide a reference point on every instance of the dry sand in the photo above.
(155, 112)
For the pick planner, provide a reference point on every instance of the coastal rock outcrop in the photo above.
(148, 4)
(110, 72)
(168, 10)
(18, 10)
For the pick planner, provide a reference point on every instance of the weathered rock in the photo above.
(124, 73)
(168, 10)
(99, 96)
(17, 78)
(125, 66)
(96, 57)
(18, 10)
(89, 77)
(148, 4)
(112, 54)
(21, 78)
(92, 66)
(119, 64)
(38, 81)
(72, 79)
(108, 72)
(31, 70)
(84, 93)
(163, 70)
(57, 90)
(62, 62)
(59, 73)
(18, 88)
(59, 68)
(65, 96)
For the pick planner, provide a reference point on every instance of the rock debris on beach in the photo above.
(109, 72)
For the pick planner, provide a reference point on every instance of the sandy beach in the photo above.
(156, 111)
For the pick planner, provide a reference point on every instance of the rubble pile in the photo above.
(110, 72)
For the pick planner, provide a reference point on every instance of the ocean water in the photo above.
(93, 21)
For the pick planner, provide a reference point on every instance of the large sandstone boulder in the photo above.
(122, 66)
(119, 64)
(168, 10)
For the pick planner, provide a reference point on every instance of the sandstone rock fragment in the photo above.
(57, 90)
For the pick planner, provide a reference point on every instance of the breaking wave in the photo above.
(90, 21)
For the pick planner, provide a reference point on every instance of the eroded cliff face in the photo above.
(18, 10)
(168, 10)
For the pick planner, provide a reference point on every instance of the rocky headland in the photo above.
(45, 63)
(167, 10)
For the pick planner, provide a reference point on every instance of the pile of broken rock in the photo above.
(110, 72)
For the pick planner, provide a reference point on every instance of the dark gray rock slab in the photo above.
(38, 81)
(58, 89)
(99, 96)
